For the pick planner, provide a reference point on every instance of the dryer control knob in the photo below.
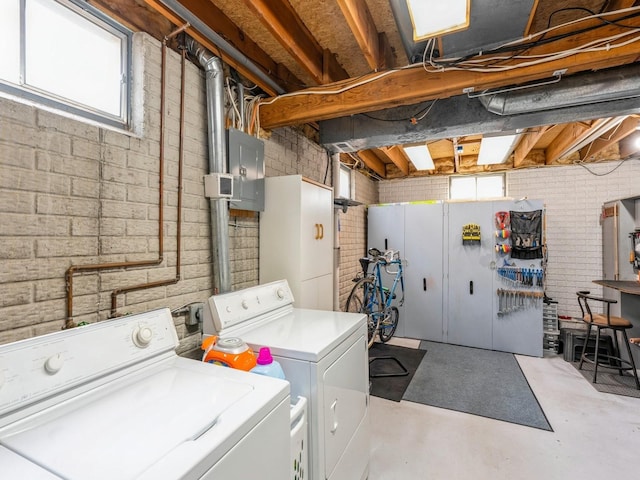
(280, 293)
(142, 336)
(53, 364)
(245, 304)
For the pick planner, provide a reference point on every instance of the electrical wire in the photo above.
(491, 63)
(528, 42)
(624, 160)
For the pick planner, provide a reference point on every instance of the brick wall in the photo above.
(353, 234)
(73, 193)
(573, 197)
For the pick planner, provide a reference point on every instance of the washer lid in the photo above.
(122, 428)
(16, 466)
(302, 334)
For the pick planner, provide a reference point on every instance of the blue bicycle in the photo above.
(371, 297)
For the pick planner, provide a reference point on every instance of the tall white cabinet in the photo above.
(296, 239)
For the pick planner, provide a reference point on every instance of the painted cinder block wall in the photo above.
(573, 197)
(73, 193)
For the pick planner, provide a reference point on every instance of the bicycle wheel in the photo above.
(388, 324)
(366, 298)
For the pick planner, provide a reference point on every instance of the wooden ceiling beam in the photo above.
(176, 20)
(570, 135)
(373, 162)
(136, 17)
(279, 17)
(526, 145)
(413, 85)
(620, 131)
(226, 28)
(398, 157)
(361, 23)
(620, 4)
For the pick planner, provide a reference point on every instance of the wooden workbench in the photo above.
(627, 286)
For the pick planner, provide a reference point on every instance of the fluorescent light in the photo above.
(496, 149)
(420, 157)
(435, 18)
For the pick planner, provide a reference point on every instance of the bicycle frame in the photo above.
(388, 294)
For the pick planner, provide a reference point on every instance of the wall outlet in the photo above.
(195, 314)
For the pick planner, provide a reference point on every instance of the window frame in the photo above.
(476, 177)
(50, 100)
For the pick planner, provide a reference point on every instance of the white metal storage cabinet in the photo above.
(386, 232)
(423, 272)
(296, 239)
(470, 290)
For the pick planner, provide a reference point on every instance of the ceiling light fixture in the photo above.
(420, 157)
(497, 149)
(433, 19)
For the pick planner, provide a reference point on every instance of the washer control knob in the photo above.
(229, 308)
(53, 364)
(142, 336)
(280, 293)
(245, 304)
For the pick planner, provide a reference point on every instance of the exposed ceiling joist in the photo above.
(571, 134)
(411, 85)
(526, 145)
(398, 158)
(620, 131)
(287, 27)
(372, 161)
(199, 37)
(215, 18)
(375, 50)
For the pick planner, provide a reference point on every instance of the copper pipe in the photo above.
(176, 279)
(140, 263)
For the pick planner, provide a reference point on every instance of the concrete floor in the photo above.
(596, 435)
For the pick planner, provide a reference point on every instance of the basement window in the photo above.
(67, 55)
(476, 187)
(345, 182)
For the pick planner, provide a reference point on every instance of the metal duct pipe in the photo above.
(214, 81)
(225, 46)
(606, 85)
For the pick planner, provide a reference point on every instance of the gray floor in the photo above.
(596, 435)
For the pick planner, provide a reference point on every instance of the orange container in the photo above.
(228, 352)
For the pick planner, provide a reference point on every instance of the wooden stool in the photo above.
(600, 322)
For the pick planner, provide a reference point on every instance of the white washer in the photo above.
(112, 400)
(324, 356)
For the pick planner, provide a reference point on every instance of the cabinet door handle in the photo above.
(321, 231)
(471, 287)
(385, 244)
(317, 231)
(424, 284)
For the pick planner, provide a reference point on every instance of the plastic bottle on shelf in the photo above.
(266, 365)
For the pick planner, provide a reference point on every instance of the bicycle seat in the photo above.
(364, 263)
(374, 252)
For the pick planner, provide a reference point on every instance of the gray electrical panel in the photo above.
(246, 164)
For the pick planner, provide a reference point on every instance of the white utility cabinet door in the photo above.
(423, 271)
(470, 276)
(386, 232)
(296, 239)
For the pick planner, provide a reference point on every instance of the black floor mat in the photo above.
(392, 387)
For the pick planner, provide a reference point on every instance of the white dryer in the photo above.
(324, 356)
(112, 400)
